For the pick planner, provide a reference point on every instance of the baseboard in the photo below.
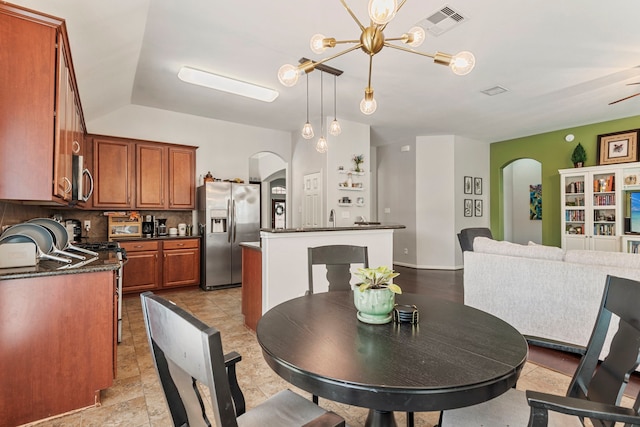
(429, 267)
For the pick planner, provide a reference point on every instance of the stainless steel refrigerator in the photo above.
(228, 214)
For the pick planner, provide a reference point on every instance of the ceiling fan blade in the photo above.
(631, 84)
(624, 99)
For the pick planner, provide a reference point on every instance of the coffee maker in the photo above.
(149, 226)
(162, 226)
(74, 230)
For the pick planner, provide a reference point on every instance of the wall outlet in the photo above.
(87, 225)
(346, 214)
(406, 251)
(387, 210)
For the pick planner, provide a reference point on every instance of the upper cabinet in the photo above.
(132, 174)
(40, 113)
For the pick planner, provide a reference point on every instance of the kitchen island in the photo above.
(58, 338)
(284, 256)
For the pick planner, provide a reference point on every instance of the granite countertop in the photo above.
(252, 245)
(365, 226)
(106, 261)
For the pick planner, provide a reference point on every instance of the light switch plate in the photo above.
(346, 214)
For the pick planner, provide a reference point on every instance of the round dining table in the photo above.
(455, 355)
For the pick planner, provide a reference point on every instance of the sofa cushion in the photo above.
(489, 246)
(608, 259)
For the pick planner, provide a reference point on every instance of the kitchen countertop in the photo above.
(106, 261)
(252, 245)
(381, 226)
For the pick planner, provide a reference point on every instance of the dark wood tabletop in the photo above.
(455, 356)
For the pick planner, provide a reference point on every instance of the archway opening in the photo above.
(522, 193)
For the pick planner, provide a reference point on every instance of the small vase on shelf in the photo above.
(349, 181)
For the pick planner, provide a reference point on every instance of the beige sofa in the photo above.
(542, 291)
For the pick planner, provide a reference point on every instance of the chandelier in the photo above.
(371, 41)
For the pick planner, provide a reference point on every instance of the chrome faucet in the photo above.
(332, 217)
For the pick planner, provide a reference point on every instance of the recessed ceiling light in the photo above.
(226, 84)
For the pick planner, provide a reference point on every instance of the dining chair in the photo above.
(338, 260)
(466, 236)
(596, 388)
(188, 354)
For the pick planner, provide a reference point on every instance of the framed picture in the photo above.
(477, 186)
(619, 147)
(477, 207)
(468, 185)
(468, 207)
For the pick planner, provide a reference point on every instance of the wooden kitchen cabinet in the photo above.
(142, 271)
(113, 173)
(159, 264)
(135, 174)
(39, 107)
(182, 172)
(57, 344)
(151, 176)
(180, 263)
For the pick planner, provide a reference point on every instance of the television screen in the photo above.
(635, 212)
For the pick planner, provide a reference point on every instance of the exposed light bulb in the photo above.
(334, 128)
(321, 146)
(417, 36)
(317, 43)
(382, 11)
(307, 131)
(368, 105)
(288, 75)
(462, 63)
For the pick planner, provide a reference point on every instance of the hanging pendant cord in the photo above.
(335, 114)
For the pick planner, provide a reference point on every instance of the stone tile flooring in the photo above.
(135, 399)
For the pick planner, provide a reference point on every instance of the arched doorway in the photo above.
(264, 168)
(522, 192)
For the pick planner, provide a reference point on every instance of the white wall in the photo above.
(471, 159)
(520, 228)
(423, 189)
(396, 184)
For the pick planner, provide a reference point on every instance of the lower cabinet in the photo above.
(158, 264)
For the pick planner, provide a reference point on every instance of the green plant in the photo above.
(579, 154)
(358, 160)
(377, 278)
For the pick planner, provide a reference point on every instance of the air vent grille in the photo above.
(496, 90)
(442, 20)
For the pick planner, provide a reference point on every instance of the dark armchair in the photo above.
(187, 354)
(466, 236)
(596, 388)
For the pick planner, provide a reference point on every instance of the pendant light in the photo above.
(321, 146)
(334, 128)
(307, 130)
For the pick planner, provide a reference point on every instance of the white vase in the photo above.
(374, 305)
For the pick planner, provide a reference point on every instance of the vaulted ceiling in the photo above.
(561, 62)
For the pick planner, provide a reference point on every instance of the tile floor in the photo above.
(135, 399)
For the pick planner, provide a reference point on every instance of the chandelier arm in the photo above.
(322, 61)
(370, 67)
(404, 49)
(352, 15)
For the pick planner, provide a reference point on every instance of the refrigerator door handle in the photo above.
(229, 222)
(234, 221)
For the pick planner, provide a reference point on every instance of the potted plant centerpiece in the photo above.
(374, 297)
(579, 156)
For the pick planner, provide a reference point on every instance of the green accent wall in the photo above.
(554, 153)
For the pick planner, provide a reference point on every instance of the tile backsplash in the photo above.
(15, 213)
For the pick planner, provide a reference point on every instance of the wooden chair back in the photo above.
(338, 260)
(186, 351)
(605, 382)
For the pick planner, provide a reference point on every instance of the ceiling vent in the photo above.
(496, 90)
(442, 21)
